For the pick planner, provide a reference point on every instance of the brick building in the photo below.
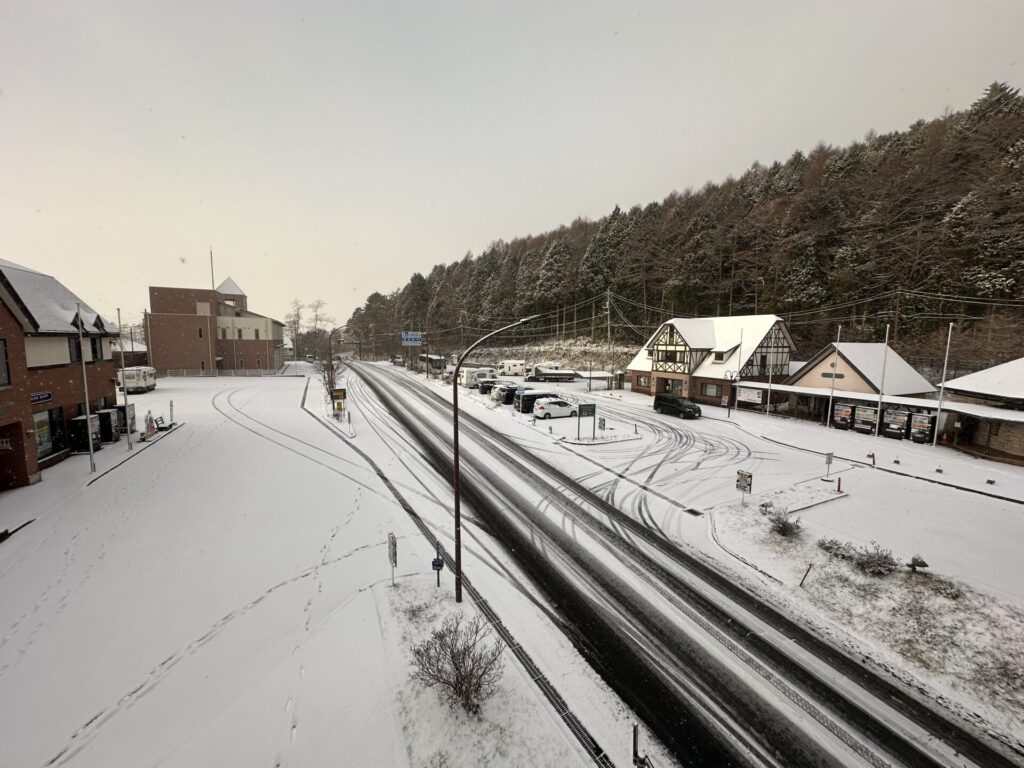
(203, 330)
(701, 357)
(41, 386)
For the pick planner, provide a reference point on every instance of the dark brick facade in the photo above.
(19, 464)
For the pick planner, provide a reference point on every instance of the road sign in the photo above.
(744, 481)
(338, 393)
(828, 458)
(587, 409)
(437, 563)
(412, 338)
(393, 550)
(600, 423)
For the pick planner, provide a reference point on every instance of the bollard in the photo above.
(839, 485)
(809, 565)
(939, 470)
(635, 431)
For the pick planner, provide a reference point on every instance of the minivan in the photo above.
(523, 401)
(676, 405)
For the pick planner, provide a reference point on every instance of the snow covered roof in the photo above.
(230, 287)
(868, 359)
(971, 409)
(129, 346)
(1004, 381)
(732, 336)
(50, 305)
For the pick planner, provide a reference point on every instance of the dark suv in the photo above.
(674, 405)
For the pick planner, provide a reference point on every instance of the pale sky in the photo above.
(330, 149)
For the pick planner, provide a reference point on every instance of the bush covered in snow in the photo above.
(782, 522)
(875, 561)
(844, 550)
(458, 658)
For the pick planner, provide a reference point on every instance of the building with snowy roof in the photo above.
(46, 332)
(701, 357)
(999, 431)
(205, 330)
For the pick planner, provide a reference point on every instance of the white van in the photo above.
(139, 378)
(465, 375)
(512, 368)
(479, 375)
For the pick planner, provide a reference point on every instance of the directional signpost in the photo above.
(412, 338)
(584, 410)
(744, 484)
(392, 555)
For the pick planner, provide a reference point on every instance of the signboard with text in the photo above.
(748, 395)
(412, 338)
(587, 409)
(744, 481)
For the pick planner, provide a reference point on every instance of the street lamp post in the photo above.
(455, 448)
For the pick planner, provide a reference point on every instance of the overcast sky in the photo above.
(329, 149)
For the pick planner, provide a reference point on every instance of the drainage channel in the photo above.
(583, 736)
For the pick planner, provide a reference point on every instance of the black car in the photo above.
(523, 401)
(674, 405)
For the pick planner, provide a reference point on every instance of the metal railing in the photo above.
(199, 372)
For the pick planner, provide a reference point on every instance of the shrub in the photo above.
(458, 659)
(875, 561)
(844, 550)
(782, 522)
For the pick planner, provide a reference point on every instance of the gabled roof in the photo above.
(867, 358)
(1003, 381)
(733, 336)
(230, 287)
(51, 307)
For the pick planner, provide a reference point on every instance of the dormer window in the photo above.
(719, 357)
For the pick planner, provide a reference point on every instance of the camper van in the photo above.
(512, 368)
(472, 377)
(140, 378)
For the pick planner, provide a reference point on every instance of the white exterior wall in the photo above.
(248, 326)
(46, 350)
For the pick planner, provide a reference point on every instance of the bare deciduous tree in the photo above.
(459, 659)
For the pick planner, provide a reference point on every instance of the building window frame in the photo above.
(95, 348)
(710, 389)
(239, 333)
(74, 349)
(200, 329)
(5, 366)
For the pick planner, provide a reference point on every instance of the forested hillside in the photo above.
(915, 228)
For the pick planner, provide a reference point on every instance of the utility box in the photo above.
(110, 421)
(81, 431)
(126, 423)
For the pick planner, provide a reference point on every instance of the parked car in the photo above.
(549, 407)
(523, 401)
(488, 384)
(676, 405)
(503, 393)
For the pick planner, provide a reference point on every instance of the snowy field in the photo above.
(222, 596)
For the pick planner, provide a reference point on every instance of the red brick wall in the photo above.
(173, 340)
(18, 464)
(179, 301)
(248, 350)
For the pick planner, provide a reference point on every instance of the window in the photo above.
(643, 381)
(257, 332)
(241, 362)
(239, 333)
(200, 332)
(75, 350)
(80, 409)
(719, 357)
(202, 365)
(223, 333)
(96, 348)
(259, 363)
(711, 390)
(5, 370)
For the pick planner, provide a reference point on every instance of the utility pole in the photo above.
(608, 309)
(85, 384)
(124, 381)
(835, 364)
(942, 388)
(881, 386)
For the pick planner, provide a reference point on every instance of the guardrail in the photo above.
(213, 374)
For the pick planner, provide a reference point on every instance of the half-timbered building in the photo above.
(702, 357)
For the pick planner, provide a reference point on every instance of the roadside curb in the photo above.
(143, 445)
